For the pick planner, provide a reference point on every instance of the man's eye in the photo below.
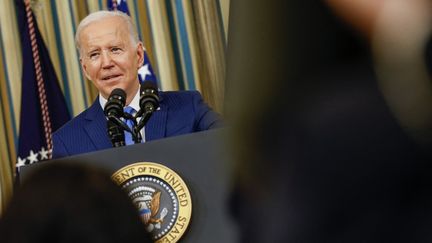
(116, 50)
(93, 55)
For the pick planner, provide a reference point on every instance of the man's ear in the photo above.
(140, 54)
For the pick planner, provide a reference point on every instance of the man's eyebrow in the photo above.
(92, 49)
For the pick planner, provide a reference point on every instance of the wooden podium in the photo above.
(200, 159)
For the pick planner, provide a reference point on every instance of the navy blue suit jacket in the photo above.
(180, 112)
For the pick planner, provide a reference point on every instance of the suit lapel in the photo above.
(156, 125)
(96, 126)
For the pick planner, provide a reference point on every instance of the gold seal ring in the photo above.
(162, 197)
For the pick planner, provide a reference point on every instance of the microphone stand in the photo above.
(136, 128)
(136, 135)
(145, 116)
(116, 134)
(137, 138)
(119, 123)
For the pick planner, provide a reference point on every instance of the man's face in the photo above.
(108, 57)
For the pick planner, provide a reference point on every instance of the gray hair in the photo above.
(99, 16)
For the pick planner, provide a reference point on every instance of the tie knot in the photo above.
(129, 110)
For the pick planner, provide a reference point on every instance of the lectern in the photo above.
(203, 163)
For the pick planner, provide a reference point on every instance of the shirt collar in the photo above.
(134, 103)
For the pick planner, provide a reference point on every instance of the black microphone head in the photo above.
(148, 85)
(149, 97)
(116, 102)
(118, 92)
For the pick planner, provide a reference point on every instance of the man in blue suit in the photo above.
(110, 56)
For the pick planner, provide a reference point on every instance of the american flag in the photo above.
(43, 107)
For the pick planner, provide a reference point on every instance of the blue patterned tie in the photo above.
(129, 122)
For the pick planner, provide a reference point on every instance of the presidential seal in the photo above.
(161, 196)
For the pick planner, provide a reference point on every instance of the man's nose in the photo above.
(107, 61)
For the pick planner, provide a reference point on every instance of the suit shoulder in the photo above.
(77, 122)
(183, 94)
(72, 125)
(180, 97)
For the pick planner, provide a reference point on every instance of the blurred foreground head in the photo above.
(333, 128)
(70, 203)
(398, 32)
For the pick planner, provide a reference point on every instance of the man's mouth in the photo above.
(109, 77)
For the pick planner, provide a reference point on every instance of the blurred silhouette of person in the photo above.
(70, 203)
(330, 149)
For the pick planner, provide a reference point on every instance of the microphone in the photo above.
(149, 98)
(149, 102)
(116, 102)
(113, 110)
(116, 134)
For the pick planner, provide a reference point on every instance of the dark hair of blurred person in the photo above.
(70, 203)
